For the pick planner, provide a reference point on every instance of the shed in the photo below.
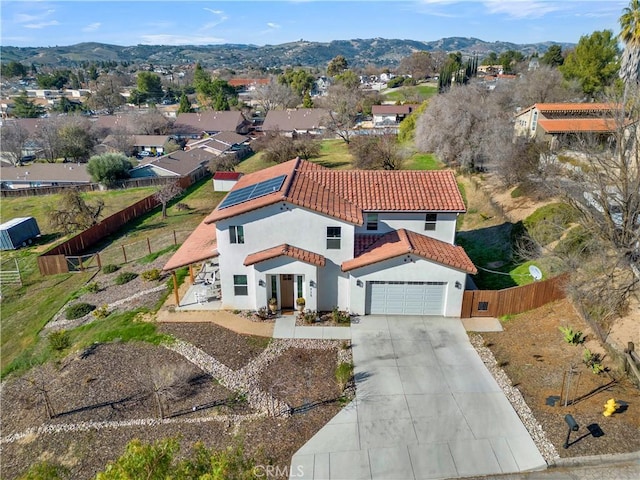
(224, 181)
(18, 232)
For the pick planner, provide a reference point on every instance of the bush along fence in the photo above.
(54, 261)
(495, 303)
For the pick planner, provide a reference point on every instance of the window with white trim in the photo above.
(333, 238)
(240, 285)
(430, 222)
(372, 221)
(236, 234)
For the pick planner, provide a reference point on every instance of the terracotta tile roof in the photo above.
(227, 175)
(286, 250)
(286, 168)
(199, 246)
(242, 82)
(558, 125)
(403, 242)
(346, 194)
(363, 241)
(404, 190)
(575, 107)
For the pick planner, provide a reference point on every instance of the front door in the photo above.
(286, 291)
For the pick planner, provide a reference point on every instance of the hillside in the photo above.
(358, 52)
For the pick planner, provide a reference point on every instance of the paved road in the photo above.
(425, 407)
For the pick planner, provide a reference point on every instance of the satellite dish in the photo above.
(535, 272)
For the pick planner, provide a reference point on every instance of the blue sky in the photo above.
(51, 23)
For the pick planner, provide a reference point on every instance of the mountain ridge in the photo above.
(377, 51)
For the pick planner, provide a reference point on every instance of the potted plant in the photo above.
(273, 304)
(300, 302)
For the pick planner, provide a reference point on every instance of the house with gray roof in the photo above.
(44, 175)
(193, 163)
(196, 125)
(296, 121)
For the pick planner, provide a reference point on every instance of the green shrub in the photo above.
(59, 340)
(517, 192)
(93, 287)
(101, 312)
(571, 336)
(344, 372)
(548, 223)
(309, 317)
(111, 268)
(577, 242)
(340, 316)
(78, 310)
(151, 275)
(125, 277)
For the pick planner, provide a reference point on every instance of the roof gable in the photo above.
(219, 121)
(289, 120)
(287, 251)
(403, 242)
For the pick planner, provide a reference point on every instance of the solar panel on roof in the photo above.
(253, 191)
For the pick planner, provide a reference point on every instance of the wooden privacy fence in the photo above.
(495, 303)
(54, 261)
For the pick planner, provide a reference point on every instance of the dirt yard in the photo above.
(532, 352)
(105, 397)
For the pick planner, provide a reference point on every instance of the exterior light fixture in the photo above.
(573, 427)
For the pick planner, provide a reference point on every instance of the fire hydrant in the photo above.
(610, 407)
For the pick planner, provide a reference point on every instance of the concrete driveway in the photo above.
(426, 407)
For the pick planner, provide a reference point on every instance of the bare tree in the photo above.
(275, 96)
(167, 193)
(280, 148)
(73, 213)
(40, 380)
(223, 163)
(460, 125)
(169, 382)
(602, 182)
(14, 140)
(376, 152)
(543, 84)
(48, 139)
(150, 123)
(344, 106)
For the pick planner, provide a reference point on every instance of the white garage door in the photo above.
(405, 298)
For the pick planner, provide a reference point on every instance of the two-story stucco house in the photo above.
(370, 242)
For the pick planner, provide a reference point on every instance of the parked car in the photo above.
(143, 153)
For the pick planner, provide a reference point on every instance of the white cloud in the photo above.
(39, 25)
(272, 25)
(522, 9)
(165, 39)
(92, 27)
(220, 18)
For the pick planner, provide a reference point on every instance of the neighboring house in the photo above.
(222, 143)
(370, 242)
(197, 125)
(391, 115)
(296, 121)
(557, 123)
(193, 164)
(247, 84)
(225, 181)
(44, 175)
(154, 144)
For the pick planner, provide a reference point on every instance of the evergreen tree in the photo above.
(25, 108)
(185, 104)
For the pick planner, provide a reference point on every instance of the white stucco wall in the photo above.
(408, 268)
(272, 226)
(413, 221)
(286, 265)
(223, 185)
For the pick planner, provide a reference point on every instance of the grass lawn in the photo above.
(26, 310)
(417, 93)
(38, 205)
(423, 161)
(253, 163)
(334, 153)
